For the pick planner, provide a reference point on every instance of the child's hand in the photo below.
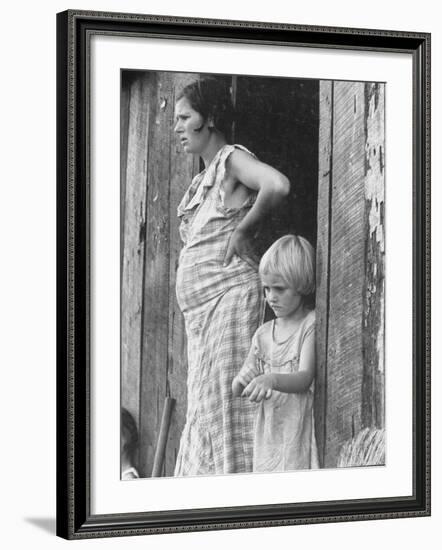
(259, 388)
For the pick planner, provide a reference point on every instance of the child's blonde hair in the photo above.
(293, 258)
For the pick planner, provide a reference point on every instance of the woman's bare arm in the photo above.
(271, 187)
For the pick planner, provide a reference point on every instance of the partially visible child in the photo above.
(280, 368)
(129, 446)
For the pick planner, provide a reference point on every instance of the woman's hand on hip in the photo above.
(239, 244)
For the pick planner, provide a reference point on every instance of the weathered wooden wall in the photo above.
(164, 365)
(135, 99)
(350, 273)
(155, 172)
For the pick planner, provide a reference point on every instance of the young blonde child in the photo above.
(279, 371)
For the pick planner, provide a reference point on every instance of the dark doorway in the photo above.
(278, 120)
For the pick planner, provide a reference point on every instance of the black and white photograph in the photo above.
(221, 263)
(243, 314)
(252, 270)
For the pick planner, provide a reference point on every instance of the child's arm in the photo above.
(300, 381)
(296, 382)
(246, 374)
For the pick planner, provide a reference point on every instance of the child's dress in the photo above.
(284, 423)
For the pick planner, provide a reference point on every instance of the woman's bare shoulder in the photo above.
(239, 159)
(243, 166)
(238, 168)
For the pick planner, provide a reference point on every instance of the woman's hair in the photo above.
(129, 434)
(211, 97)
(293, 259)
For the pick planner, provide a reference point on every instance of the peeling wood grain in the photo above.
(373, 405)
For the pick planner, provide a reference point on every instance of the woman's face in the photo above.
(191, 128)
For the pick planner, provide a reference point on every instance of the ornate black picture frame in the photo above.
(74, 32)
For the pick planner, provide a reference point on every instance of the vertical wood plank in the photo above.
(347, 269)
(134, 221)
(373, 314)
(234, 89)
(124, 134)
(156, 281)
(183, 169)
(322, 259)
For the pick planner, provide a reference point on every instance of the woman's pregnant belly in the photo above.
(199, 281)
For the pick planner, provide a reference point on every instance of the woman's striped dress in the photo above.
(222, 307)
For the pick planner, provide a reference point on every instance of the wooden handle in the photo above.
(162, 437)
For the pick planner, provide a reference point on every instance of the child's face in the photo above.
(281, 297)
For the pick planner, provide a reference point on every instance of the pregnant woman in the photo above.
(218, 288)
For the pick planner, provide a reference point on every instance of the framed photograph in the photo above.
(243, 239)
